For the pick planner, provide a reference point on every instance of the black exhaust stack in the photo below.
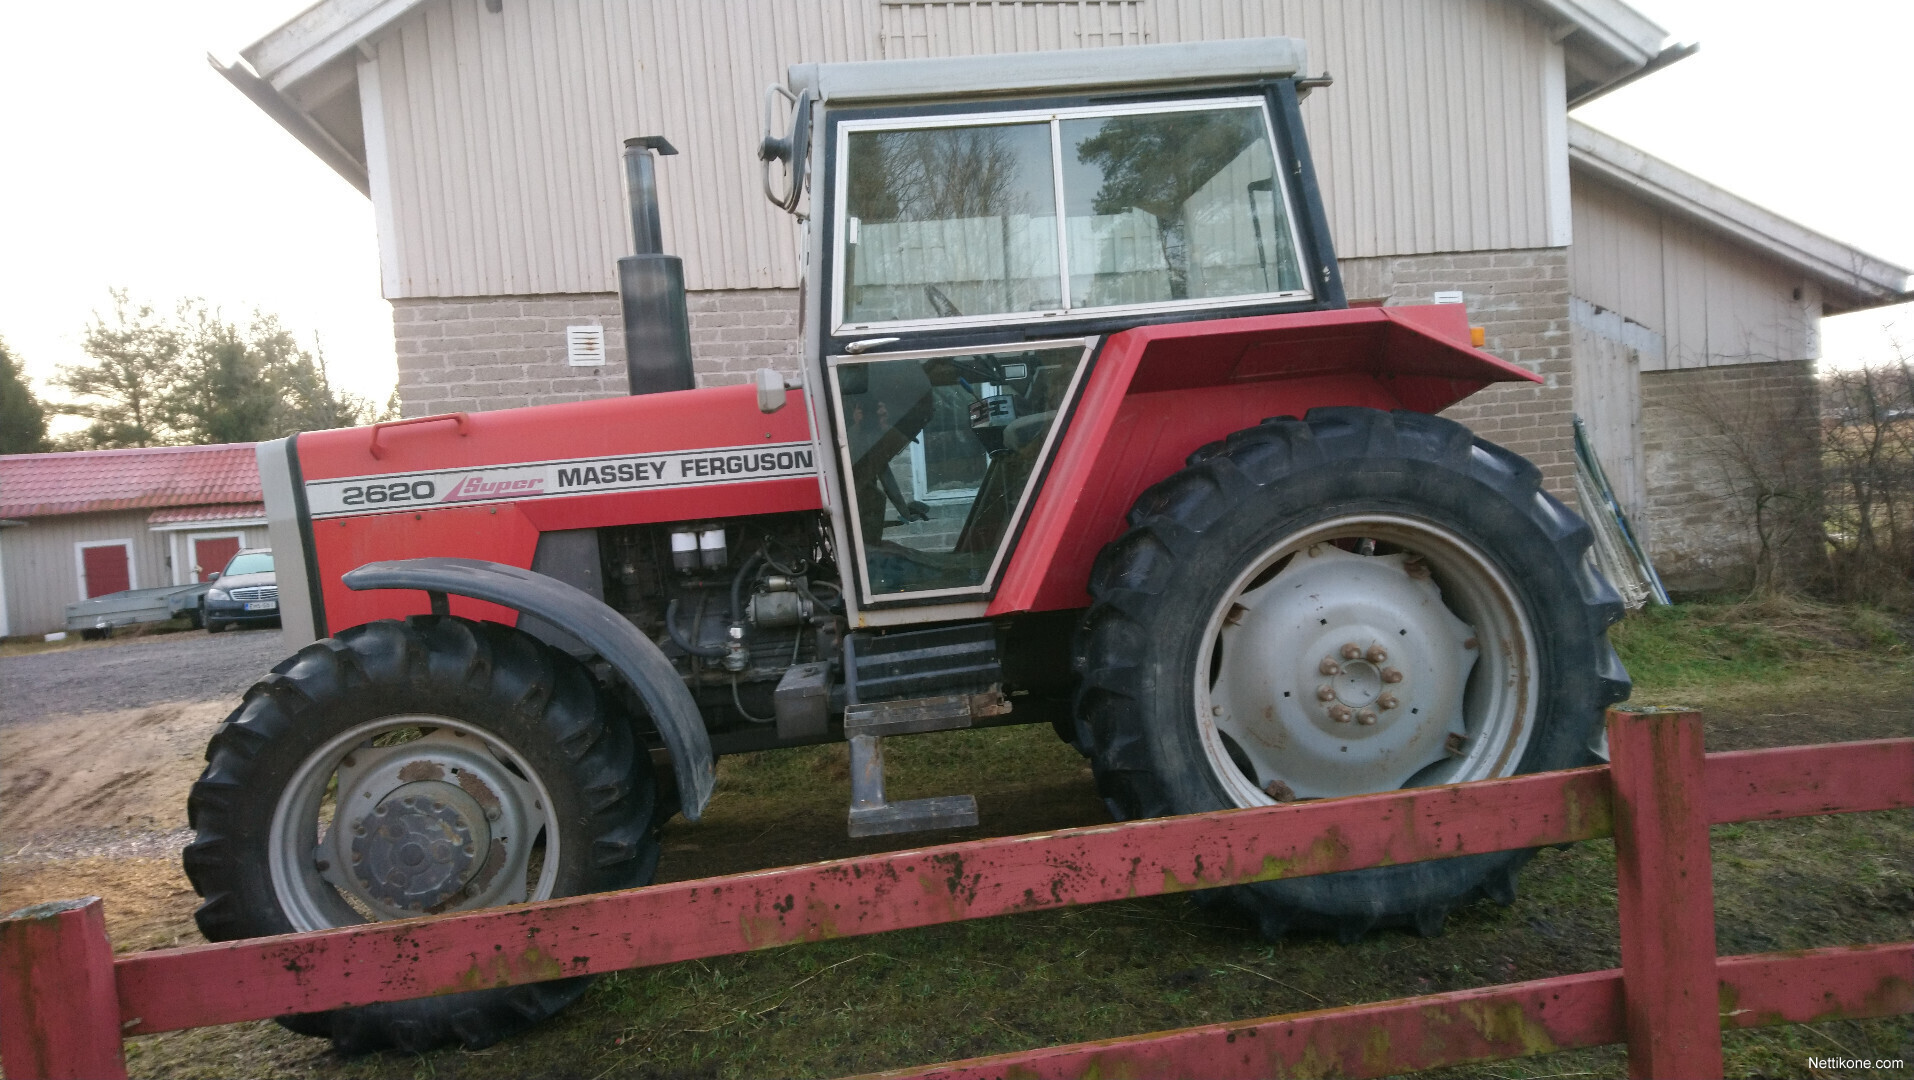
(651, 284)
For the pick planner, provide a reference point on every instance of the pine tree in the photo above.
(200, 378)
(224, 391)
(23, 421)
(136, 360)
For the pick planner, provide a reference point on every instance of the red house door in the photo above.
(212, 554)
(106, 569)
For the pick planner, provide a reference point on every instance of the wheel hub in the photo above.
(419, 846)
(422, 822)
(1342, 674)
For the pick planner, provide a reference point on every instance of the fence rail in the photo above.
(66, 1002)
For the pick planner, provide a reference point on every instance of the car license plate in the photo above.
(263, 605)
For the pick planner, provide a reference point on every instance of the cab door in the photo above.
(974, 260)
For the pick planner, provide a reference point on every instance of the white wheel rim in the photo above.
(1328, 672)
(466, 773)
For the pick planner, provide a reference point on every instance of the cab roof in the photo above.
(1153, 67)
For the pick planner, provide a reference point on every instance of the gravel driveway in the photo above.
(135, 673)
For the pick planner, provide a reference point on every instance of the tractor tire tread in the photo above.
(1134, 573)
(414, 662)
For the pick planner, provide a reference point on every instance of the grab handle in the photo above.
(378, 452)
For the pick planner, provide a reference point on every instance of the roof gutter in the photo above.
(296, 123)
(1671, 55)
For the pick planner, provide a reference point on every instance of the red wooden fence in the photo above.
(1668, 1002)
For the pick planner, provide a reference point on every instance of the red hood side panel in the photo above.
(484, 486)
(1160, 392)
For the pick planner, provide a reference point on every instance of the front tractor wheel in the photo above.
(412, 768)
(1355, 602)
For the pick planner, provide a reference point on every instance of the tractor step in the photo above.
(866, 726)
(914, 815)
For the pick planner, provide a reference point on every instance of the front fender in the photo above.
(636, 659)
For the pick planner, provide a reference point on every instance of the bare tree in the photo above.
(1868, 449)
(1762, 451)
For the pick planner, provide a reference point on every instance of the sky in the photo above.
(126, 161)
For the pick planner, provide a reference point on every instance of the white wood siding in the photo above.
(913, 28)
(501, 133)
(1711, 300)
(41, 578)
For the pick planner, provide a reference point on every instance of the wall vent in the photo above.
(585, 346)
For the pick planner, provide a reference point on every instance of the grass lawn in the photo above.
(1766, 675)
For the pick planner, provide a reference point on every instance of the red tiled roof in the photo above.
(194, 514)
(88, 481)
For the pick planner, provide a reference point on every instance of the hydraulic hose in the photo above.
(745, 573)
(709, 652)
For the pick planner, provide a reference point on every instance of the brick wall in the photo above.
(500, 352)
(1712, 438)
(475, 353)
(1520, 299)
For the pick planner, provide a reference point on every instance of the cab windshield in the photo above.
(251, 562)
(1161, 206)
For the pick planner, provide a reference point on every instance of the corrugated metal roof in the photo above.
(193, 515)
(88, 481)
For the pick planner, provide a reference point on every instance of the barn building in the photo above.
(85, 524)
(486, 134)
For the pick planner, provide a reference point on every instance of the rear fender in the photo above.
(632, 655)
(1157, 393)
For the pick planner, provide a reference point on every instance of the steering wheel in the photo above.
(940, 303)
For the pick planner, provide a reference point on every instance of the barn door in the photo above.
(211, 554)
(1608, 353)
(105, 568)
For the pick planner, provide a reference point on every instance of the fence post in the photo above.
(1665, 886)
(59, 1007)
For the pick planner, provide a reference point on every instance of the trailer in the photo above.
(96, 617)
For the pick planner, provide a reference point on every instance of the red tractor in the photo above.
(1086, 435)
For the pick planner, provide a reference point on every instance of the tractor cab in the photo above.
(975, 228)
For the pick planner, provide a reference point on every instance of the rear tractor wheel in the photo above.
(1356, 602)
(418, 767)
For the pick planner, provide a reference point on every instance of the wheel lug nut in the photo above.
(1469, 644)
(1279, 791)
(1391, 675)
(1216, 710)
(1387, 702)
(1376, 655)
(1325, 692)
(1366, 717)
(1351, 651)
(1329, 666)
(1340, 714)
(321, 865)
(492, 814)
